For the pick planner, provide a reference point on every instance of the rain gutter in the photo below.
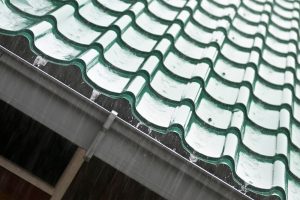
(124, 147)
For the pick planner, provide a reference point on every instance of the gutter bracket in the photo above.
(100, 135)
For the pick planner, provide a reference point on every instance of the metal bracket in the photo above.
(100, 135)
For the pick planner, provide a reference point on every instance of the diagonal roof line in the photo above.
(133, 150)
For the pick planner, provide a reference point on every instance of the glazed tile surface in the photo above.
(224, 75)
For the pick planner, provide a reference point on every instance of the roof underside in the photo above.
(224, 75)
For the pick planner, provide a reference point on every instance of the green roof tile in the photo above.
(224, 75)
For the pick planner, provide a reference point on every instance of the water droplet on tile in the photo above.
(244, 187)
(155, 138)
(193, 158)
(39, 61)
(138, 125)
(95, 94)
(235, 110)
(246, 184)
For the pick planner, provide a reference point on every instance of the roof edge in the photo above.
(126, 148)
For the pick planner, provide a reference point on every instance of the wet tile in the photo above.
(150, 107)
(184, 64)
(230, 71)
(123, 58)
(138, 40)
(267, 94)
(254, 171)
(263, 115)
(294, 189)
(151, 24)
(295, 162)
(162, 11)
(271, 74)
(179, 66)
(234, 54)
(213, 114)
(107, 78)
(92, 13)
(256, 139)
(273, 59)
(219, 91)
(115, 5)
(295, 134)
(12, 21)
(243, 26)
(34, 7)
(247, 14)
(168, 86)
(189, 48)
(198, 33)
(205, 141)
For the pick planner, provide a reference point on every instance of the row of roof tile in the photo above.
(224, 75)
